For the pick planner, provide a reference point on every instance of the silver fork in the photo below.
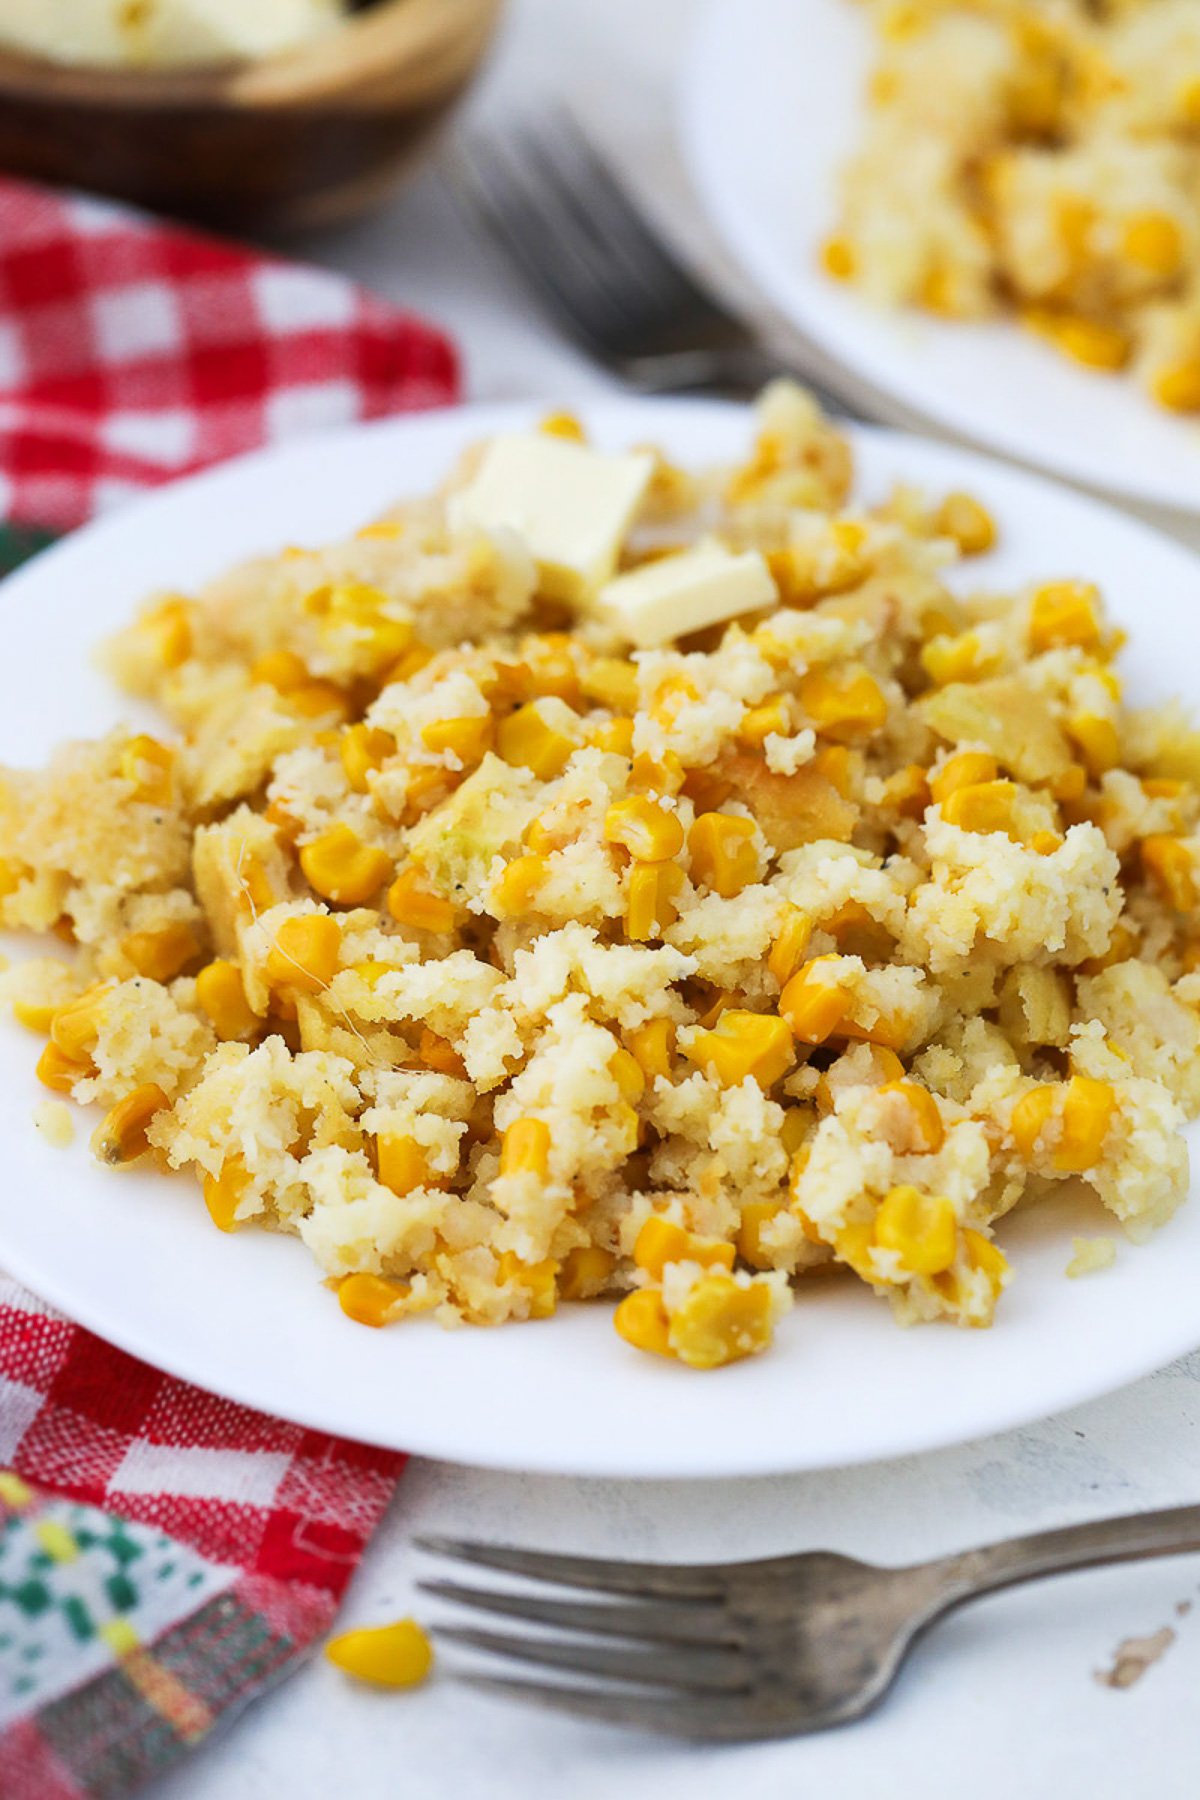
(599, 266)
(736, 1651)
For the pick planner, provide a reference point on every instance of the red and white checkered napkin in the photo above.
(164, 1554)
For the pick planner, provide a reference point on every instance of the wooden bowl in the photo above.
(300, 139)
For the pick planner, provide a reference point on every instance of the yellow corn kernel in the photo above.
(983, 1255)
(1098, 741)
(1171, 870)
(969, 768)
(439, 1053)
(530, 741)
(371, 1299)
(641, 1319)
(363, 609)
(75, 1027)
(983, 806)
(744, 1043)
(516, 888)
(613, 682)
(1086, 1115)
(927, 1133)
(907, 791)
(1030, 1116)
(120, 1136)
(58, 1071)
(787, 952)
(415, 658)
(797, 1123)
(170, 625)
(921, 1228)
(663, 774)
(652, 1045)
(660, 1241)
(148, 765)
(563, 425)
(1045, 843)
(1177, 386)
(390, 1656)
(281, 669)
(723, 852)
(720, 1322)
(525, 1148)
(962, 658)
(160, 955)
(317, 700)
(363, 751)
(1153, 242)
(616, 737)
(627, 1073)
(539, 1279)
(11, 876)
(838, 258)
(1064, 613)
(221, 996)
(761, 722)
(847, 710)
(1084, 340)
(970, 524)
(721, 1000)
(305, 953)
(401, 1163)
(813, 1008)
(586, 1271)
(750, 1247)
(386, 529)
(650, 897)
(466, 738)
(647, 830)
(223, 1193)
(411, 901)
(36, 1015)
(340, 867)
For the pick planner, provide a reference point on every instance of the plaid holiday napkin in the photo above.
(164, 1555)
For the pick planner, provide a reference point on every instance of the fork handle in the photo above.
(1128, 1539)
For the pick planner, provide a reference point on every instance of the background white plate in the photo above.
(771, 104)
(135, 1257)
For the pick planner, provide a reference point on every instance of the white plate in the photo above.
(135, 1257)
(771, 104)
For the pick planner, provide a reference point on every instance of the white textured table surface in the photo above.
(1000, 1702)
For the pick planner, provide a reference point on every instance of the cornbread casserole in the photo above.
(1041, 160)
(509, 964)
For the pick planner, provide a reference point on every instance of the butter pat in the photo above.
(678, 594)
(162, 33)
(572, 506)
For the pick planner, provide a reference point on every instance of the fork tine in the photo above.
(653, 1621)
(658, 1579)
(575, 166)
(678, 1715)
(695, 1667)
(546, 246)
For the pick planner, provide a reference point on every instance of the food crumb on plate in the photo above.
(1133, 1656)
(1090, 1255)
(53, 1120)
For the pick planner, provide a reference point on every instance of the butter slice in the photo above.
(678, 594)
(571, 505)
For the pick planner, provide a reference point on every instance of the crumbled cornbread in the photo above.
(1090, 1255)
(507, 967)
(53, 1119)
(1040, 160)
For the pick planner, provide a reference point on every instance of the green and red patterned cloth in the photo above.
(165, 1555)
